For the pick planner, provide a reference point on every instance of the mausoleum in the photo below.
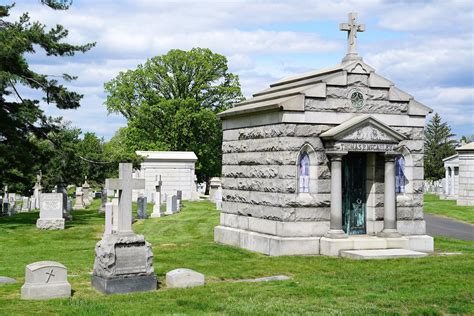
(176, 169)
(325, 161)
(460, 175)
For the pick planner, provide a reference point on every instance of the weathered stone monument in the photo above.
(37, 190)
(157, 198)
(45, 280)
(214, 184)
(79, 205)
(25, 205)
(103, 200)
(51, 211)
(124, 260)
(141, 208)
(86, 193)
(324, 161)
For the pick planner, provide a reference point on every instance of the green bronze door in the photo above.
(354, 195)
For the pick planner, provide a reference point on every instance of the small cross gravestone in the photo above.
(45, 280)
(51, 211)
(124, 260)
(157, 202)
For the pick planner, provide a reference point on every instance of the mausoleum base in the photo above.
(50, 223)
(124, 285)
(286, 246)
(267, 244)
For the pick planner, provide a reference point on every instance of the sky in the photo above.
(425, 47)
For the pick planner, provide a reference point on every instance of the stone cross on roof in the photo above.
(352, 28)
(125, 184)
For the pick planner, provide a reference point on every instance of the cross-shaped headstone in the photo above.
(124, 185)
(351, 28)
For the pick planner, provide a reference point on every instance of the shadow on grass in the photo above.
(19, 220)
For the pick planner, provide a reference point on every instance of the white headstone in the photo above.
(219, 199)
(157, 198)
(51, 211)
(181, 278)
(45, 280)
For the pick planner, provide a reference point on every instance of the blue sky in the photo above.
(425, 47)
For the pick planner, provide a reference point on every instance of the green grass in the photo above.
(319, 285)
(448, 208)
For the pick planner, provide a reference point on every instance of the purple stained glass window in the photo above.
(303, 167)
(400, 174)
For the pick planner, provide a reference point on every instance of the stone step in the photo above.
(381, 254)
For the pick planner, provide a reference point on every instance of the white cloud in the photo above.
(425, 47)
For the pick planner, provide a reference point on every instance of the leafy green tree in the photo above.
(171, 103)
(22, 121)
(467, 139)
(439, 144)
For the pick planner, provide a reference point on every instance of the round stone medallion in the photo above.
(357, 99)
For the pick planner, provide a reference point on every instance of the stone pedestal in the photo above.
(50, 223)
(123, 264)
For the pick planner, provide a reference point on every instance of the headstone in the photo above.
(181, 278)
(37, 189)
(171, 204)
(69, 205)
(7, 280)
(51, 211)
(79, 205)
(25, 205)
(219, 199)
(157, 198)
(179, 197)
(5, 207)
(45, 280)
(141, 208)
(103, 200)
(12, 201)
(86, 193)
(215, 184)
(124, 260)
(33, 202)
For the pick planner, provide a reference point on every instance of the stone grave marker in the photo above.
(171, 204)
(45, 280)
(51, 211)
(79, 205)
(103, 200)
(115, 214)
(181, 278)
(69, 205)
(124, 260)
(157, 198)
(215, 184)
(141, 207)
(108, 218)
(219, 199)
(25, 205)
(86, 193)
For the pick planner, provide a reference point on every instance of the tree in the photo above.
(439, 144)
(467, 139)
(171, 103)
(22, 122)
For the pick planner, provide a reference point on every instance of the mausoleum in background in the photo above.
(177, 171)
(459, 181)
(324, 161)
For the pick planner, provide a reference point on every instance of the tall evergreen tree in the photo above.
(22, 121)
(439, 144)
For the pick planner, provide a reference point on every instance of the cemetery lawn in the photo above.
(319, 285)
(448, 208)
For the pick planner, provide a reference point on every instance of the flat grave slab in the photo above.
(381, 254)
